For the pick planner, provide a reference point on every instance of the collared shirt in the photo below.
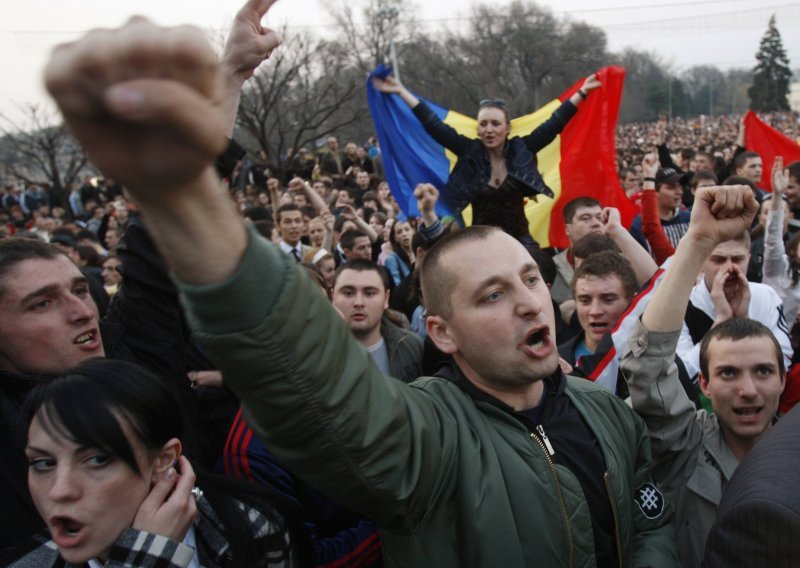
(295, 251)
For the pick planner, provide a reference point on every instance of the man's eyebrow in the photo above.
(51, 289)
(528, 267)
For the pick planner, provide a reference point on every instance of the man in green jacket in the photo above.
(499, 461)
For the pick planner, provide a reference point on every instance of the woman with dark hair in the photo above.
(107, 476)
(494, 173)
(400, 262)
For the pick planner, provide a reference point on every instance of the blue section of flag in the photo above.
(410, 156)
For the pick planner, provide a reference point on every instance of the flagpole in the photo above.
(391, 14)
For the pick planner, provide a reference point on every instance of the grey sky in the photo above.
(725, 33)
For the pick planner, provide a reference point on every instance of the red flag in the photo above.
(767, 142)
(589, 154)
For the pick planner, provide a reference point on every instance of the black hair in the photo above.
(794, 170)
(703, 175)
(363, 265)
(396, 247)
(257, 213)
(89, 405)
(349, 237)
(572, 207)
(18, 249)
(283, 208)
(742, 158)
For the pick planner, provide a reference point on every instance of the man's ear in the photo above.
(386, 300)
(167, 456)
(704, 385)
(439, 333)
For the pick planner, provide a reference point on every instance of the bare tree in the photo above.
(40, 149)
(304, 92)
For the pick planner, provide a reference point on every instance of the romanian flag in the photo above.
(761, 138)
(580, 162)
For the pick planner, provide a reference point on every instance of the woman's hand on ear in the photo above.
(170, 508)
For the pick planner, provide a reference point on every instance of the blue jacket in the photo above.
(473, 168)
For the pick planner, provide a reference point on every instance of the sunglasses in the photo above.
(499, 103)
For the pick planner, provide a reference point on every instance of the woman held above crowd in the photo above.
(494, 173)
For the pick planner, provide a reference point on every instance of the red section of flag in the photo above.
(761, 138)
(589, 154)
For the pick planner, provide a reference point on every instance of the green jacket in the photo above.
(405, 351)
(450, 481)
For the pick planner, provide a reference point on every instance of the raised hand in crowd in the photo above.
(144, 103)
(589, 84)
(427, 196)
(780, 181)
(391, 85)
(643, 264)
(248, 45)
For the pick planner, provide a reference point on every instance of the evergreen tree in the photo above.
(771, 75)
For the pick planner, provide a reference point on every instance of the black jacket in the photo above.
(473, 168)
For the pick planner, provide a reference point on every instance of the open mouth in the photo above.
(538, 338)
(748, 411)
(65, 530)
(86, 338)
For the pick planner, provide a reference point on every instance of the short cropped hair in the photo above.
(437, 281)
(579, 202)
(18, 249)
(363, 265)
(283, 208)
(348, 239)
(591, 244)
(737, 329)
(794, 170)
(742, 158)
(608, 263)
(703, 175)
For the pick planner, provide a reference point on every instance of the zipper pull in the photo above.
(546, 440)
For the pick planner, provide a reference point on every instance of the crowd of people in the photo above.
(206, 363)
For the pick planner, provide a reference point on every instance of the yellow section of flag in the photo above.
(537, 212)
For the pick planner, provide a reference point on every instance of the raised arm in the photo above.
(719, 214)
(776, 262)
(642, 263)
(589, 84)
(648, 364)
(167, 169)
(248, 45)
(651, 221)
(390, 85)
(155, 123)
(552, 127)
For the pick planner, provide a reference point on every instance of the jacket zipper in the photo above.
(547, 449)
(607, 481)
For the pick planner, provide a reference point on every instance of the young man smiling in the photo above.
(742, 374)
(499, 461)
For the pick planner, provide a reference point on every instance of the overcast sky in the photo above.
(724, 33)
